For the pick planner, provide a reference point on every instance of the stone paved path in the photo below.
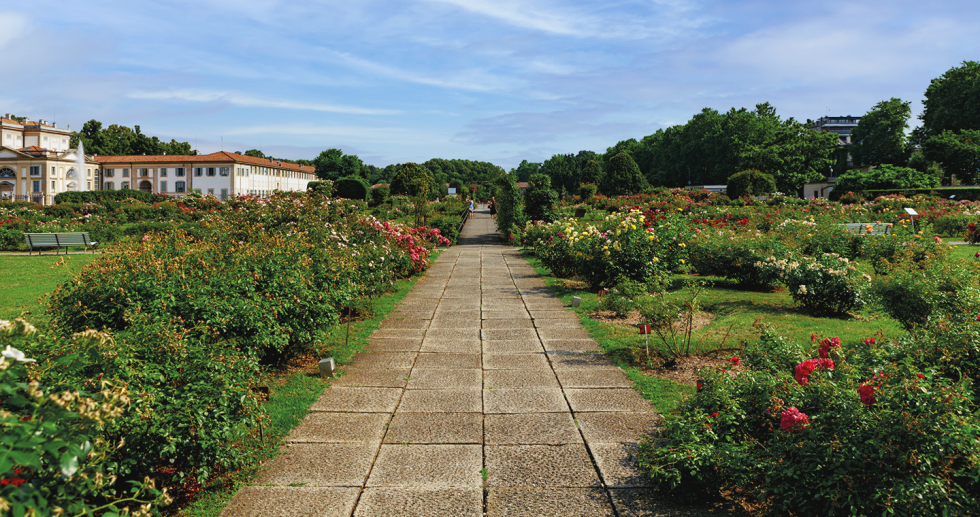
(480, 395)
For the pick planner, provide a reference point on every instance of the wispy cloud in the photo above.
(239, 99)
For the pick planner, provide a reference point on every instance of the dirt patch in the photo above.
(684, 370)
(701, 320)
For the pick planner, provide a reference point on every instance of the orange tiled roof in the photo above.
(218, 157)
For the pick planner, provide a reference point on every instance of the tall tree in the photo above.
(255, 152)
(563, 171)
(591, 173)
(526, 169)
(953, 100)
(880, 134)
(622, 176)
(333, 164)
(957, 152)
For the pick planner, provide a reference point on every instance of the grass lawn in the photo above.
(26, 279)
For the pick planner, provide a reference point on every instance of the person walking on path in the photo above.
(471, 206)
(493, 207)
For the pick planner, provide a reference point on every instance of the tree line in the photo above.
(117, 140)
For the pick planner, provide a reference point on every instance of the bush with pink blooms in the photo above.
(826, 427)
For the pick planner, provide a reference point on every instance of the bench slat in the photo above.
(59, 240)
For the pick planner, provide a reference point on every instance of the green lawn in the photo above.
(28, 278)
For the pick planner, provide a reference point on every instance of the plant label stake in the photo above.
(912, 213)
(645, 330)
(327, 367)
(576, 301)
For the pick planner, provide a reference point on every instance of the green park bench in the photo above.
(868, 228)
(58, 241)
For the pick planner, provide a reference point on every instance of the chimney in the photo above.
(55, 125)
(238, 153)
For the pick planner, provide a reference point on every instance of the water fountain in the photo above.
(80, 167)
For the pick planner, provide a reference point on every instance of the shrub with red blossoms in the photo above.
(867, 393)
(792, 421)
(734, 360)
(827, 344)
(803, 370)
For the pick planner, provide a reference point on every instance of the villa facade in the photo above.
(221, 174)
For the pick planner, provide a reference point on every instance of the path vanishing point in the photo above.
(481, 394)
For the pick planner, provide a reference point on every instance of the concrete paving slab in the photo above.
(459, 346)
(428, 466)
(298, 501)
(320, 464)
(564, 333)
(358, 400)
(617, 427)
(463, 322)
(385, 360)
(566, 502)
(404, 324)
(440, 378)
(515, 362)
(410, 315)
(540, 466)
(560, 314)
(561, 323)
(508, 334)
(462, 400)
(340, 428)
(508, 323)
(582, 378)
(571, 345)
(433, 428)
(519, 379)
(522, 346)
(617, 400)
(537, 400)
(397, 333)
(420, 502)
(468, 314)
(490, 314)
(531, 429)
(563, 359)
(617, 463)
(412, 344)
(372, 378)
(448, 360)
(454, 333)
(461, 304)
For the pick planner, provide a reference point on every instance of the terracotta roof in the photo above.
(10, 121)
(219, 157)
(32, 149)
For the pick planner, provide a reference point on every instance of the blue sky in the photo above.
(494, 80)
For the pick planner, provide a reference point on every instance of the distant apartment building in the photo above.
(36, 162)
(840, 125)
(220, 174)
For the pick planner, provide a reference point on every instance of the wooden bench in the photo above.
(868, 228)
(58, 241)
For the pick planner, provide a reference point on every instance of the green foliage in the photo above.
(957, 152)
(591, 173)
(825, 283)
(628, 295)
(563, 171)
(411, 180)
(734, 255)
(879, 137)
(117, 140)
(622, 176)
(525, 170)
(448, 226)
(733, 434)
(57, 456)
(587, 191)
(103, 196)
(540, 199)
(255, 153)
(951, 100)
(380, 194)
(750, 183)
(672, 321)
(351, 187)
(323, 188)
(510, 204)
(920, 294)
(885, 177)
(333, 164)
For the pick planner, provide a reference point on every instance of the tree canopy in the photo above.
(957, 152)
(623, 176)
(885, 177)
(953, 100)
(333, 164)
(117, 140)
(880, 134)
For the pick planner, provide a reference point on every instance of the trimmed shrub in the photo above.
(351, 187)
(324, 188)
(826, 283)
(587, 191)
(448, 226)
(380, 195)
(750, 183)
(101, 196)
(734, 255)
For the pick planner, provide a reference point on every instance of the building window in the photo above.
(36, 186)
(180, 186)
(45, 139)
(197, 171)
(52, 186)
(163, 186)
(125, 173)
(35, 171)
(88, 185)
(88, 174)
(125, 185)
(163, 172)
(224, 194)
(108, 173)
(109, 186)
(225, 171)
(180, 171)
(53, 170)
(144, 173)
(211, 192)
(210, 171)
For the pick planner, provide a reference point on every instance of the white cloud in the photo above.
(238, 99)
(14, 28)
